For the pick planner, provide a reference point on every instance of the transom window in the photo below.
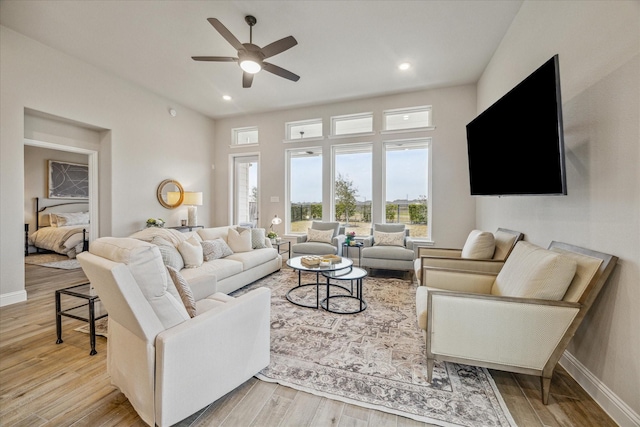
(243, 136)
(352, 124)
(304, 129)
(407, 118)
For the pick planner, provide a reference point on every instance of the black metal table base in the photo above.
(355, 275)
(317, 305)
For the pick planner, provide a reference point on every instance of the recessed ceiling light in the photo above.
(404, 66)
(226, 97)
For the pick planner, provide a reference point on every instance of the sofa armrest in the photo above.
(367, 241)
(211, 354)
(267, 243)
(498, 330)
(425, 251)
(477, 265)
(458, 280)
(338, 241)
(301, 239)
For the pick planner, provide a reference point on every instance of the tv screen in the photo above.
(516, 146)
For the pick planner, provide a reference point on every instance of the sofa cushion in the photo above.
(145, 264)
(239, 242)
(214, 233)
(191, 251)
(479, 245)
(314, 248)
(215, 249)
(320, 236)
(388, 253)
(534, 272)
(388, 239)
(258, 237)
(220, 268)
(184, 290)
(170, 254)
(504, 243)
(254, 258)
(213, 301)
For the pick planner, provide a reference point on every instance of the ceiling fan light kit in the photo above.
(250, 56)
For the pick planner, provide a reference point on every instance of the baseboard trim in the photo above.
(12, 298)
(603, 396)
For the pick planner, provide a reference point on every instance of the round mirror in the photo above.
(170, 193)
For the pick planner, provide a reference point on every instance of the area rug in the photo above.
(53, 261)
(101, 327)
(374, 359)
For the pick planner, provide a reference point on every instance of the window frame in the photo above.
(347, 117)
(289, 125)
(235, 132)
(409, 110)
(288, 156)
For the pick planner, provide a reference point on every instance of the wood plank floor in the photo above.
(44, 384)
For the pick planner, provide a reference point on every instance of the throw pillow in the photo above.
(534, 272)
(322, 236)
(239, 242)
(214, 249)
(479, 245)
(388, 239)
(191, 251)
(71, 218)
(258, 236)
(170, 254)
(184, 290)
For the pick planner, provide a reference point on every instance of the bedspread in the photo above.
(63, 240)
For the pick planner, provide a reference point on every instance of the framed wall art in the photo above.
(68, 180)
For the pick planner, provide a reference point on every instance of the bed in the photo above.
(61, 228)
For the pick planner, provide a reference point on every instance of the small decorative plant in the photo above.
(155, 222)
(272, 235)
(351, 237)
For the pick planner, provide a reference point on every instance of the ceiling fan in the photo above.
(250, 56)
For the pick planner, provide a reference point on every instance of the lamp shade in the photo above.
(193, 198)
(173, 197)
(276, 220)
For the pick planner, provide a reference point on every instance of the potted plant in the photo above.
(272, 235)
(155, 222)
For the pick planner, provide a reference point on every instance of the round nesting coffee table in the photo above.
(355, 274)
(296, 264)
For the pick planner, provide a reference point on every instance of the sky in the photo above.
(306, 186)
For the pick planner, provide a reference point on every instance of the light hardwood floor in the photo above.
(42, 383)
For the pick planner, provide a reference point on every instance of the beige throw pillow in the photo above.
(191, 251)
(240, 242)
(321, 236)
(388, 239)
(534, 272)
(184, 290)
(214, 249)
(479, 245)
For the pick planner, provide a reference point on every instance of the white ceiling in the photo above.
(346, 49)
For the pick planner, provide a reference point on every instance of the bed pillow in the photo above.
(214, 249)
(321, 236)
(239, 242)
(191, 251)
(67, 219)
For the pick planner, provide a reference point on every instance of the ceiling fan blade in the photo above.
(225, 33)
(247, 79)
(279, 46)
(280, 71)
(215, 58)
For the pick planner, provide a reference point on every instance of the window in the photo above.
(243, 136)
(407, 118)
(245, 189)
(352, 192)
(407, 176)
(352, 124)
(305, 188)
(304, 129)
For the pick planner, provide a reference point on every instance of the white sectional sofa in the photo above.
(224, 274)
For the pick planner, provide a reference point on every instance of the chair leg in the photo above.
(546, 386)
(430, 364)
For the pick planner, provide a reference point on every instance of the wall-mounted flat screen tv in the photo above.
(516, 146)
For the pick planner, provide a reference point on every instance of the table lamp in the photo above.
(275, 221)
(192, 199)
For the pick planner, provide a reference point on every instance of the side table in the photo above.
(354, 275)
(282, 243)
(185, 228)
(358, 245)
(88, 311)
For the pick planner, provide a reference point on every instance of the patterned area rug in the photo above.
(53, 261)
(375, 358)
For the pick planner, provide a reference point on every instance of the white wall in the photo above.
(453, 108)
(140, 144)
(598, 45)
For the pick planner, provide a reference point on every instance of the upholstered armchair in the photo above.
(322, 238)
(483, 251)
(388, 247)
(170, 362)
(519, 320)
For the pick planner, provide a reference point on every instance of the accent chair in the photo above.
(170, 362)
(388, 247)
(322, 238)
(518, 320)
(483, 251)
